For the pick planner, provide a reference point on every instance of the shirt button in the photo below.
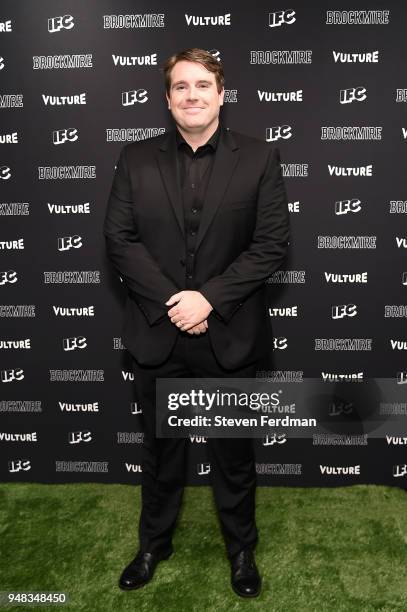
(191, 254)
(189, 275)
(192, 232)
(193, 185)
(194, 210)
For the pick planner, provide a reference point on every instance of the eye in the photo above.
(179, 87)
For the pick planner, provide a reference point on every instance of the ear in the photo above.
(222, 95)
(168, 100)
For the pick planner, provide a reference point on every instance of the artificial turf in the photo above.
(320, 549)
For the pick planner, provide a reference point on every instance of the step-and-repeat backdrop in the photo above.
(78, 80)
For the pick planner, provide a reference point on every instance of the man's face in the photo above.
(194, 100)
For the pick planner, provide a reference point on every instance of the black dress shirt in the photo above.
(194, 172)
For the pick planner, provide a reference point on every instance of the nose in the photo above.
(192, 93)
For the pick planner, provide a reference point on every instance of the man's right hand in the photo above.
(199, 329)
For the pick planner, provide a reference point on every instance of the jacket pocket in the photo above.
(238, 205)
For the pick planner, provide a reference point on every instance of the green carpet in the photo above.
(337, 549)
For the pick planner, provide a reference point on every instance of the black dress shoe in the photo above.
(246, 580)
(140, 570)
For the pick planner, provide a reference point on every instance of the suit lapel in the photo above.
(167, 162)
(226, 158)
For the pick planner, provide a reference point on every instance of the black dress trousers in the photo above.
(233, 473)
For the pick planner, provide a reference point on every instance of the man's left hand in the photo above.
(190, 309)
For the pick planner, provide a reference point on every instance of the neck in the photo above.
(197, 139)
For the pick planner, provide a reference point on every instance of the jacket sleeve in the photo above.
(267, 249)
(141, 274)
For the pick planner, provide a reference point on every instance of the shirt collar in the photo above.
(212, 142)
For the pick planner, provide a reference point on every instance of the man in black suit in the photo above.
(197, 219)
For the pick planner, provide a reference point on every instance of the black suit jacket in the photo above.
(242, 239)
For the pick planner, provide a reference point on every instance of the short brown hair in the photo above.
(195, 55)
